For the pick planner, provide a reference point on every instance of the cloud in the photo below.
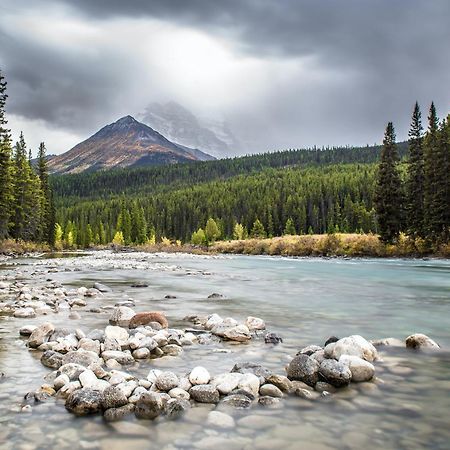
(289, 73)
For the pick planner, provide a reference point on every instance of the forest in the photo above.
(387, 190)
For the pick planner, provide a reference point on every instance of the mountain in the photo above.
(182, 127)
(125, 143)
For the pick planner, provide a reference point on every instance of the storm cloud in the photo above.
(287, 73)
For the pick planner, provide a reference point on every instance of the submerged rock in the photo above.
(220, 420)
(176, 407)
(273, 338)
(149, 406)
(115, 414)
(238, 401)
(419, 340)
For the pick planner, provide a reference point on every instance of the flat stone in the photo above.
(121, 357)
(81, 357)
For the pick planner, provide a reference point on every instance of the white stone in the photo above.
(353, 345)
(24, 313)
(249, 382)
(121, 316)
(87, 378)
(239, 333)
(153, 375)
(226, 382)
(255, 323)
(361, 369)
(118, 333)
(179, 393)
(213, 320)
(220, 420)
(199, 375)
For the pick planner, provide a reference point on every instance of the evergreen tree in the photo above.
(6, 187)
(198, 237)
(212, 231)
(416, 177)
(289, 229)
(258, 230)
(238, 231)
(47, 208)
(388, 195)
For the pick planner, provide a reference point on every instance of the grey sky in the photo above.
(286, 73)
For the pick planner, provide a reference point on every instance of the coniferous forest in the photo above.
(387, 190)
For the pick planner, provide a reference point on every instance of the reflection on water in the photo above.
(305, 300)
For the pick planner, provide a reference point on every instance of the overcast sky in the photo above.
(284, 73)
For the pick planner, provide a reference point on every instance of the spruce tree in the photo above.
(416, 177)
(388, 194)
(212, 231)
(47, 212)
(289, 229)
(5, 165)
(258, 230)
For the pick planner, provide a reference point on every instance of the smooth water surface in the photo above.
(304, 300)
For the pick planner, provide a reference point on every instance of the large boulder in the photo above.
(144, 318)
(40, 335)
(334, 372)
(84, 401)
(352, 345)
(81, 357)
(204, 393)
(149, 406)
(361, 369)
(121, 316)
(419, 340)
(304, 368)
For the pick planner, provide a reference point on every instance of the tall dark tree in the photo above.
(431, 158)
(416, 177)
(5, 164)
(388, 194)
(47, 209)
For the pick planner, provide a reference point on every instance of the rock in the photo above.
(268, 401)
(179, 393)
(330, 340)
(84, 401)
(303, 368)
(323, 386)
(336, 373)
(246, 393)
(249, 367)
(101, 287)
(166, 381)
(113, 397)
(239, 333)
(272, 338)
(184, 383)
(215, 296)
(24, 313)
(61, 381)
(52, 359)
(172, 350)
(121, 357)
(175, 408)
(69, 388)
(204, 393)
(361, 369)
(26, 330)
(111, 344)
(81, 357)
(281, 382)
(220, 420)
(145, 318)
(310, 350)
(40, 335)
(26, 409)
(213, 320)
(96, 335)
(139, 284)
(153, 375)
(71, 370)
(88, 379)
(319, 356)
(141, 353)
(149, 406)
(226, 382)
(249, 382)
(128, 387)
(270, 390)
(255, 323)
(170, 297)
(353, 345)
(118, 333)
(238, 401)
(121, 316)
(420, 341)
(115, 414)
(89, 345)
(392, 342)
(199, 375)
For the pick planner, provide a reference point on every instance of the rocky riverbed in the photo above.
(142, 358)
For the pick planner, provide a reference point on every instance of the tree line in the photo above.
(26, 205)
(418, 201)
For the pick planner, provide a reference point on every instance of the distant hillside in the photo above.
(181, 126)
(124, 143)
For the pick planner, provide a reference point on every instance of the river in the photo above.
(305, 300)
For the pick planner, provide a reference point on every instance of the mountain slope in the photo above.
(182, 127)
(124, 143)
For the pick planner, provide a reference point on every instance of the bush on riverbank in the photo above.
(12, 247)
(338, 244)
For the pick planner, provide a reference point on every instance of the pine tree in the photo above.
(416, 177)
(212, 231)
(6, 188)
(238, 231)
(289, 229)
(431, 162)
(48, 219)
(258, 230)
(388, 198)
